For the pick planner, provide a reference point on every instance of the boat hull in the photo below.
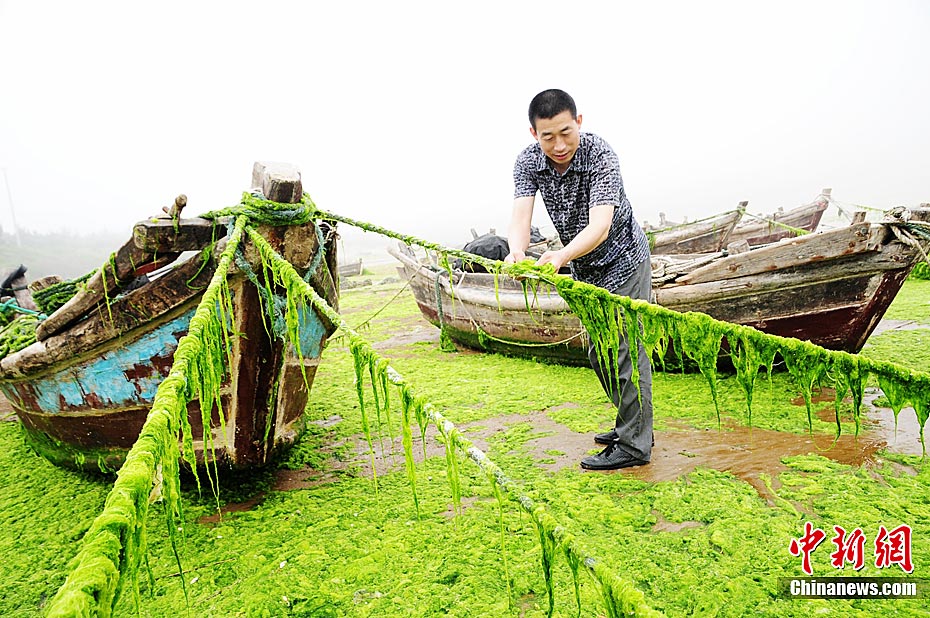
(830, 288)
(83, 395)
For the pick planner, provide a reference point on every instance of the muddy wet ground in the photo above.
(744, 451)
(748, 453)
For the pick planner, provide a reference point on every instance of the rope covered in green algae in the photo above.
(115, 543)
(446, 252)
(698, 336)
(620, 596)
(921, 271)
(260, 210)
(54, 296)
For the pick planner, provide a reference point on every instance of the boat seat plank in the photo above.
(823, 246)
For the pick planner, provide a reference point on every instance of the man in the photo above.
(578, 175)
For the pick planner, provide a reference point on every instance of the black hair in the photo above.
(551, 103)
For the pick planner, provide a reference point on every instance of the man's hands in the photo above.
(556, 258)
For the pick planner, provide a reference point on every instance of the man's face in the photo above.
(558, 138)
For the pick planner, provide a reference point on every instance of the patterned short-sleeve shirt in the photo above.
(593, 178)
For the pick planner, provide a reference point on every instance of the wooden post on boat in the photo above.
(279, 182)
(255, 387)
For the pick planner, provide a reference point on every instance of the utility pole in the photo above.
(9, 194)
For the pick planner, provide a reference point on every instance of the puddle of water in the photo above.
(745, 452)
(748, 452)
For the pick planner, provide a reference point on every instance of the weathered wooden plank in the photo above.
(757, 304)
(105, 282)
(687, 296)
(823, 246)
(735, 247)
(761, 232)
(163, 235)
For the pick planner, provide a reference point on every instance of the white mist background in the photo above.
(410, 114)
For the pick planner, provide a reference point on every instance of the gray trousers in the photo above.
(634, 410)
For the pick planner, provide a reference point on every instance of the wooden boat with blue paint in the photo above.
(84, 389)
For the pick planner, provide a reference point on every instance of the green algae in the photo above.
(621, 596)
(54, 296)
(18, 334)
(335, 541)
(262, 211)
(921, 271)
(748, 360)
(359, 355)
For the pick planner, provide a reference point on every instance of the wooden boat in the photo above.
(831, 288)
(701, 236)
(84, 389)
(783, 224)
(350, 269)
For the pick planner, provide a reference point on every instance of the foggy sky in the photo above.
(410, 115)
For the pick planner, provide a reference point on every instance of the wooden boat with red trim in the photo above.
(830, 288)
(83, 390)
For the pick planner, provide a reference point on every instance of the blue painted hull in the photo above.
(86, 410)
